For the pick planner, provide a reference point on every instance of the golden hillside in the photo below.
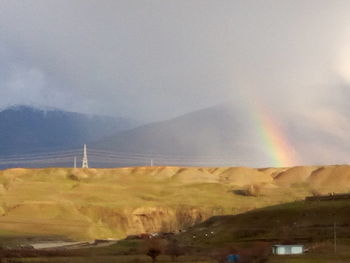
(113, 203)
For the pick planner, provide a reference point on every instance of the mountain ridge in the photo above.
(25, 129)
(215, 131)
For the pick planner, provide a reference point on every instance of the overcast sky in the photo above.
(156, 59)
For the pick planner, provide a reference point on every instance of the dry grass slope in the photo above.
(103, 203)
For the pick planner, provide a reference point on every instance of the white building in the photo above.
(287, 249)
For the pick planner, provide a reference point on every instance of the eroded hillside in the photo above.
(113, 203)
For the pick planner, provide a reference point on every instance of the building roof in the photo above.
(295, 245)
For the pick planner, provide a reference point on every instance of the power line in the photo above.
(162, 155)
(38, 155)
(42, 161)
(99, 156)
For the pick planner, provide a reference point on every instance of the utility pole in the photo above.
(152, 162)
(335, 236)
(85, 162)
(75, 162)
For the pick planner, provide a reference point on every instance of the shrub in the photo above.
(153, 248)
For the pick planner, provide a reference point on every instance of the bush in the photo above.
(153, 248)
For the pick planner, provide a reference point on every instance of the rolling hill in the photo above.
(300, 221)
(104, 203)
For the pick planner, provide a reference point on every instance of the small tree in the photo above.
(154, 252)
(174, 250)
(154, 247)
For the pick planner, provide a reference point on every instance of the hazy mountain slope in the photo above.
(26, 129)
(214, 136)
(92, 203)
(227, 135)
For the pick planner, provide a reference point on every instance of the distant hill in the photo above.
(231, 135)
(218, 135)
(26, 129)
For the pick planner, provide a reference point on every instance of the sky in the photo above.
(152, 60)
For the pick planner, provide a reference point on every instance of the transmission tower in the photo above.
(85, 162)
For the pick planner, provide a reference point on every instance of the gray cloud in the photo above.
(155, 59)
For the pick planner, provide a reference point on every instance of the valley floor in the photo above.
(126, 252)
(324, 258)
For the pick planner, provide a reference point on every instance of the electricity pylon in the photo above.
(85, 162)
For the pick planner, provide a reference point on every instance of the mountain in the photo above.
(233, 135)
(25, 129)
(218, 135)
(223, 135)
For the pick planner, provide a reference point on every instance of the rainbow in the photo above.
(276, 143)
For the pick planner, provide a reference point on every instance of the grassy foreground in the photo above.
(324, 256)
(242, 205)
(305, 222)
